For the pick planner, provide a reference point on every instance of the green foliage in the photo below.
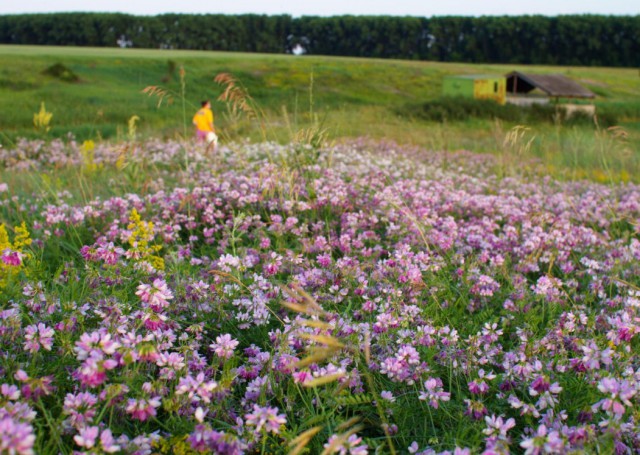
(381, 99)
(60, 71)
(462, 109)
(171, 71)
(574, 40)
(176, 445)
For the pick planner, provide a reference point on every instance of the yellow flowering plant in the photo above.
(87, 150)
(141, 249)
(42, 119)
(12, 254)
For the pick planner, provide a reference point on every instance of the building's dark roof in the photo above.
(551, 84)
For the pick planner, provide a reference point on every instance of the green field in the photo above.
(348, 97)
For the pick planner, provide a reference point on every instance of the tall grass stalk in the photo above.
(514, 147)
(183, 96)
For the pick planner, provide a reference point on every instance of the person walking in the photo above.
(203, 121)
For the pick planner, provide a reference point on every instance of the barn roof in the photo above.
(551, 84)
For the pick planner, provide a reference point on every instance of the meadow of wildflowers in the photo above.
(377, 299)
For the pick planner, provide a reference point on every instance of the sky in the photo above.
(294, 8)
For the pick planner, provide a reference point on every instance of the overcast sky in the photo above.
(332, 7)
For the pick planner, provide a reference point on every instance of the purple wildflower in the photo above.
(16, 437)
(434, 393)
(267, 418)
(38, 335)
(224, 346)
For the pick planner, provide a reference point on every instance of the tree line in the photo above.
(562, 40)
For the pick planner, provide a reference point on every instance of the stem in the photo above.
(433, 426)
(385, 427)
(183, 90)
(264, 442)
(52, 429)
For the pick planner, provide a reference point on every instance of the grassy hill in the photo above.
(347, 96)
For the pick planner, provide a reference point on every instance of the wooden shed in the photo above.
(525, 89)
(480, 87)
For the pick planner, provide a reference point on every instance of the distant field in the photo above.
(350, 97)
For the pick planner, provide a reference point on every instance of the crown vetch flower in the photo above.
(434, 393)
(37, 336)
(265, 417)
(142, 409)
(224, 346)
(16, 437)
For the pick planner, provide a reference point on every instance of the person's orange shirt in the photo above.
(203, 120)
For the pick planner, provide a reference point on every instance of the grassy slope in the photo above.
(352, 96)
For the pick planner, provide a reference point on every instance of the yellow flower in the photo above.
(22, 239)
(4, 238)
(141, 236)
(88, 157)
(42, 119)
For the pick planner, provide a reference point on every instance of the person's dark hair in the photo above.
(204, 103)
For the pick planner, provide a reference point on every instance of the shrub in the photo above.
(60, 71)
(462, 109)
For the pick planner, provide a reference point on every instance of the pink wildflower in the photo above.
(80, 408)
(386, 395)
(352, 446)
(544, 441)
(87, 437)
(9, 392)
(142, 409)
(479, 386)
(38, 336)
(485, 286)
(434, 393)
(156, 295)
(99, 342)
(300, 377)
(475, 409)
(196, 388)
(548, 287)
(93, 370)
(497, 426)
(224, 346)
(620, 392)
(267, 418)
(16, 437)
(12, 258)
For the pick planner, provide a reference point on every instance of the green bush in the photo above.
(629, 110)
(454, 109)
(60, 71)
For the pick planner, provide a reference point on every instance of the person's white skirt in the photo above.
(212, 138)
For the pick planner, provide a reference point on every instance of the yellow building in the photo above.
(475, 86)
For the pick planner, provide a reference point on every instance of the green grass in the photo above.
(351, 97)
